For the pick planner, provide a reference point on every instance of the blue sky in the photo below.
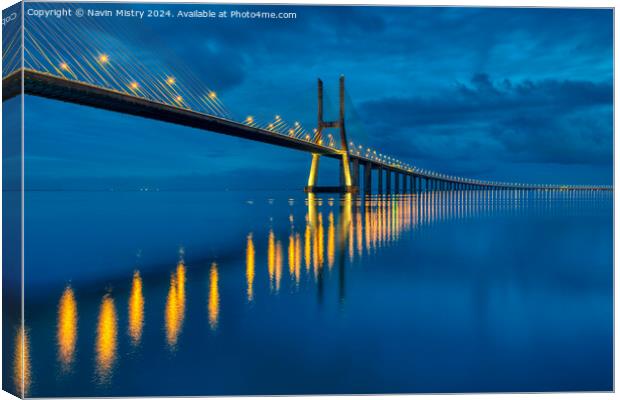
(503, 94)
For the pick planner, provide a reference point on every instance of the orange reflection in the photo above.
(271, 258)
(136, 309)
(278, 261)
(368, 230)
(106, 342)
(249, 267)
(321, 239)
(350, 238)
(21, 363)
(359, 233)
(214, 297)
(297, 258)
(66, 331)
(331, 240)
(175, 305)
(291, 255)
(307, 247)
(181, 286)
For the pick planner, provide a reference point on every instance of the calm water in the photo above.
(160, 293)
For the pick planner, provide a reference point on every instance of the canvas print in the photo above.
(228, 199)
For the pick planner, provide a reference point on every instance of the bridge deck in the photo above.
(53, 87)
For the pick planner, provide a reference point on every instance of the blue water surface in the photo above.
(228, 293)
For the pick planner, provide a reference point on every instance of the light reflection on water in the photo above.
(107, 341)
(22, 377)
(214, 297)
(249, 266)
(67, 329)
(352, 230)
(136, 310)
(175, 306)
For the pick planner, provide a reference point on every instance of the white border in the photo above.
(488, 3)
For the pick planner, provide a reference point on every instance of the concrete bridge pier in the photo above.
(355, 175)
(367, 178)
(405, 179)
(346, 182)
(396, 182)
(380, 180)
(388, 181)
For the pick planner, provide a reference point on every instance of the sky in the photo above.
(521, 95)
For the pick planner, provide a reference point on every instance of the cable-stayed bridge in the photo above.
(55, 67)
(392, 175)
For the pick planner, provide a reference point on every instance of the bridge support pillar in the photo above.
(380, 180)
(346, 184)
(367, 178)
(314, 171)
(388, 181)
(356, 173)
(396, 182)
(405, 182)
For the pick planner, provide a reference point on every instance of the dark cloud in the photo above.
(526, 121)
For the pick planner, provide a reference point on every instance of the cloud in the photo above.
(554, 121)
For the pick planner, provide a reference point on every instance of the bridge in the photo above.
(393, 176)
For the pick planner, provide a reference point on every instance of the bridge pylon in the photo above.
(346, 183)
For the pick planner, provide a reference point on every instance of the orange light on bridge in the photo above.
(103, 58)
(134, 85)
(170, 80)
(249, 119)
(291, 132)
(212, 95)
(64, 66)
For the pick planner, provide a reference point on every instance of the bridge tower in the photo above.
(346, 182)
